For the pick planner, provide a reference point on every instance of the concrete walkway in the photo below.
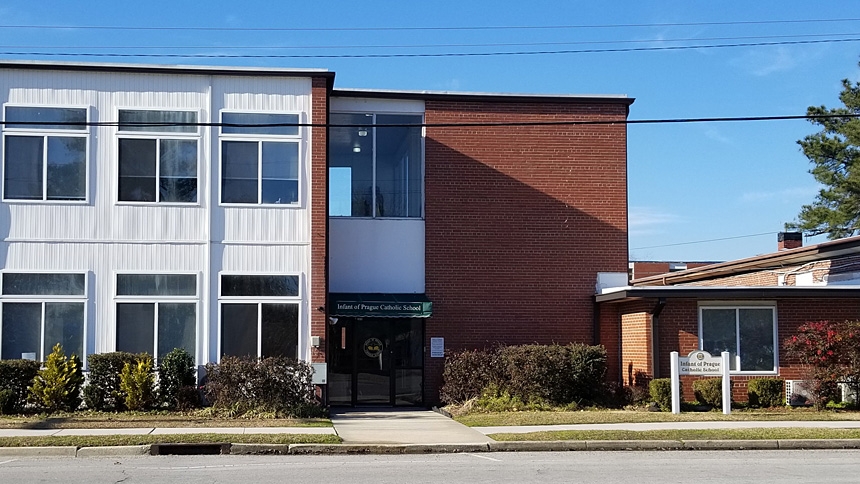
(398, 426)
(167, 431)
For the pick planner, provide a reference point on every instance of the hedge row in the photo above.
(761, 392)
(554, 374)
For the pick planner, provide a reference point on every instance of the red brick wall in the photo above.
(519, 220)
(319, 214)
(636, 353)
(678, 325)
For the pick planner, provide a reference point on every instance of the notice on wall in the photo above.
(437, 347)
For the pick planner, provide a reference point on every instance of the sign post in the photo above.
(700, 362)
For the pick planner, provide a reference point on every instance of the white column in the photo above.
(676, 382)
(727, 383)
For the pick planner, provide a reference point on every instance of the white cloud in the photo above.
(786, 194)
(648, 220)
(715, 135)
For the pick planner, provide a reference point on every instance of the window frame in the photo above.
(156, 300)
(737, 306)
(158, 136)
(373, 126)
(298, 139)
(45, 133)
(259, 301)
(42, 299)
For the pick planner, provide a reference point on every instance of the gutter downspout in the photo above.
(655, 336)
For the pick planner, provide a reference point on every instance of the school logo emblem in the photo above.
(372, 347)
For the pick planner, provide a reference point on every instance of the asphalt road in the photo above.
(840, 466)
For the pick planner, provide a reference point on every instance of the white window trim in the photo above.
(374, 113)
(736, 305)
(50, 298)
(259, 301)
(158, 136)
(45, 133)
(300, 139)
(156, 299)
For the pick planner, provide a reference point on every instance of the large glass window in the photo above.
(157, 167)
(45, 153)
(748, 333)
(156, 313)
(376, 165)
(39, 311)
(261, 328)
(259, 160)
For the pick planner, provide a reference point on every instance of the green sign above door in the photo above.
(379, 305)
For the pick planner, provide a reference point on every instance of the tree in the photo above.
(835, 154)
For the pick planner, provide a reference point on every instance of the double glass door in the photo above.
(376, 361)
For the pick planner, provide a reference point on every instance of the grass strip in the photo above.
(493, 419)
(712, 434)
(104, 420)
(105, 440)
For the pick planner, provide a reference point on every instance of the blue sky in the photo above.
(687, 182)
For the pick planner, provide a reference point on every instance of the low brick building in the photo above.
(747, 307)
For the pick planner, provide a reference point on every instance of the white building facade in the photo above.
(145, 209)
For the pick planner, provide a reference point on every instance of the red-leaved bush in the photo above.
(832, 352)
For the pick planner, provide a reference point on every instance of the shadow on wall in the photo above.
(514, 244)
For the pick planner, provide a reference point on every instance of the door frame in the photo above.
(352, 342)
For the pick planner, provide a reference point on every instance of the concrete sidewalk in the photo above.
(168, 431)
(398, 426)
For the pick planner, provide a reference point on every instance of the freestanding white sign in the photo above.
(700, 362)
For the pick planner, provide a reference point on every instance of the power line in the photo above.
(424, 46)
(445, 125)
(387, 29)
(443, 54)
(704, 241)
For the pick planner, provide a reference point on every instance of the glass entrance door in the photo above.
(373, 362)
(376, 361)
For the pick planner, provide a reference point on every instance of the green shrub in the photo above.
(7, 402)
(551, 374)
(661, 392)
(709, 391)
(58, 385)
(765, 392)
(175, 371)
(467, 374)
(16, 376)
(274, 385)
(137, 381)
(103, 391)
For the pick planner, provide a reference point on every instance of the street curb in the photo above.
(53, 451)
(387, 448)
(731, 444)
(113, 451)
(503, 446)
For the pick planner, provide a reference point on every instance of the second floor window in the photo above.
(158, 156)
(260, 158)
(45, 153)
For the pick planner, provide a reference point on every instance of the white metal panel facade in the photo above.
(102, 236)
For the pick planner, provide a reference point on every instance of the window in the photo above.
(376, 170)
(156, 313)
(158, 156)
(267, 326)
(39, 311)
(260, 158)
(748, 333)
(45, 153)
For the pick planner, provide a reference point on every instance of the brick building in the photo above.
(747, 307)
(251, 211)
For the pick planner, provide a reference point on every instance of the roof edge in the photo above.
(165, 68)
(483, 96)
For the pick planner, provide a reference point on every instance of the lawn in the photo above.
(109, 420)
(493, 419)
(718, 434)
(107, 440)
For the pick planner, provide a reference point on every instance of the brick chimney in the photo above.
(789, 240)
